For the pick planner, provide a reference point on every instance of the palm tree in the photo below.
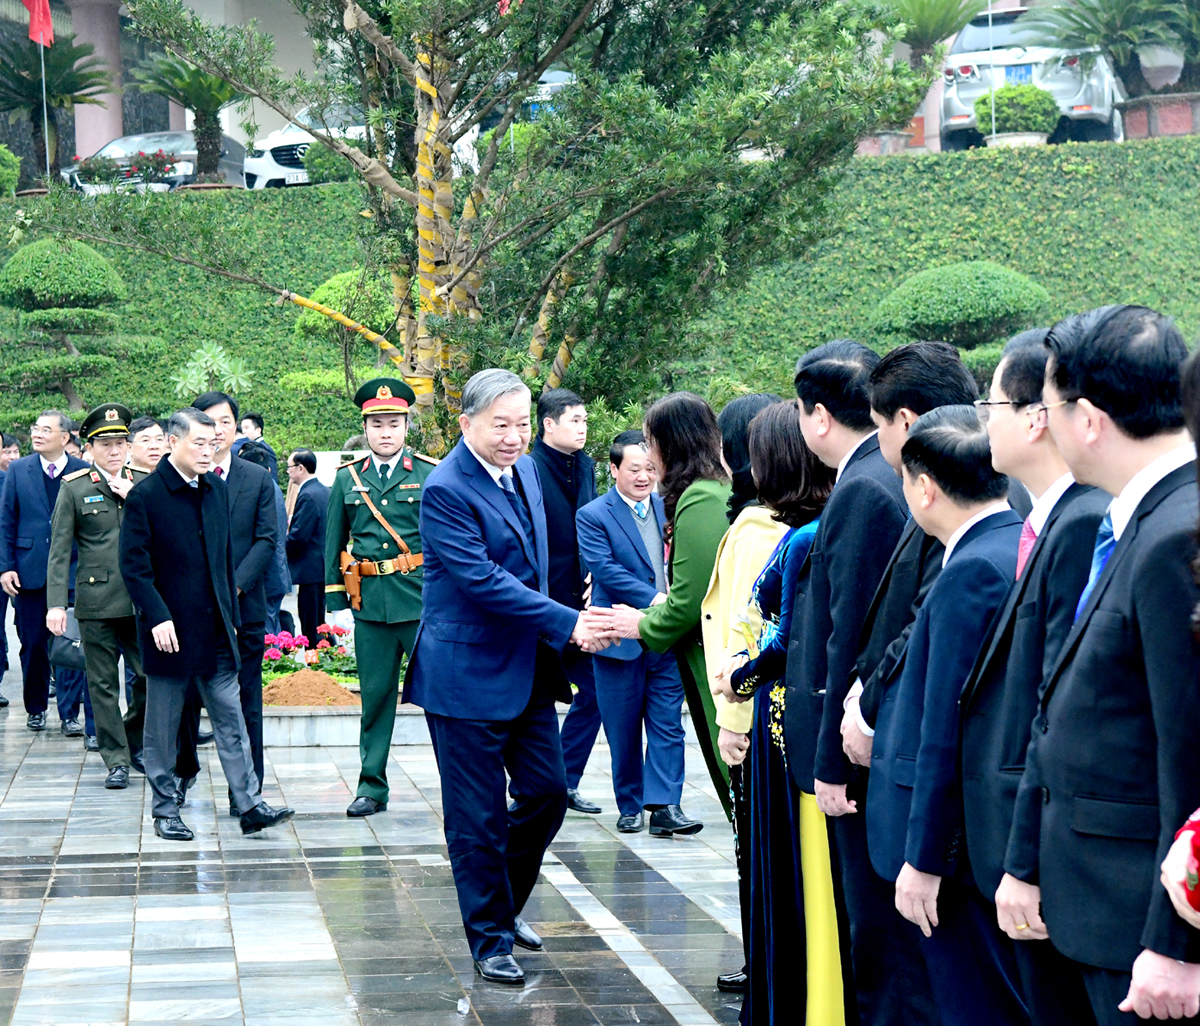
(73, 76)
(929, 22)
(203, 94)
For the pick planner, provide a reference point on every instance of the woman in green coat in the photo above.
(685, 445)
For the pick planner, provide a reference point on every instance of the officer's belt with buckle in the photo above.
(400, 565)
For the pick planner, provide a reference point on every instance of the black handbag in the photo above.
(66, 650)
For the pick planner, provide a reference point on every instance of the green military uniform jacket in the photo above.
(351, 527)
(89, 515)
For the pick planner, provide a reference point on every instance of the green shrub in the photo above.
(323, 165)
(365, 298)
(10, 171)
(58, 273)
(1019, 108)
(71, 321)
(968, 304)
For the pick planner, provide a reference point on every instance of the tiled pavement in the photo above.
(329, 921)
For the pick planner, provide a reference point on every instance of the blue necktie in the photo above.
(640, 509)
(518, 505)
(1105, 543)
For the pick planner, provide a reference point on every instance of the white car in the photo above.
(278, 159)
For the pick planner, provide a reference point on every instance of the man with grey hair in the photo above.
(486, 667)
(177, 562)
(26, 509)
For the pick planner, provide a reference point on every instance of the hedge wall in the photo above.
(1092, 223)
(299, 238)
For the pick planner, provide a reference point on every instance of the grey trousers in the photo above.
(164, 707)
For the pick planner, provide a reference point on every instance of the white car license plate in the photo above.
(296, 178)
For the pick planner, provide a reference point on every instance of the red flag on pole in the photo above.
(41, 29)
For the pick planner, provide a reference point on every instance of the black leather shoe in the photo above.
(181, 789)
(734, 983)
(631, 824)
(172, 828)
(525, 935)
(204, 737)
(671, 820)
(36, 721)
(3, 702)
(117, 779)
(233, 812)
(135, 760)
(577, 803)
(263, 816)
(71, 728)
(91, 743)
(365, 807)
(501, 969)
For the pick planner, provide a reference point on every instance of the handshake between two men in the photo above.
(597, 628)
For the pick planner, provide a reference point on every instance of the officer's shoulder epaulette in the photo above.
(427, 459)
(77, 473)
(350, 463)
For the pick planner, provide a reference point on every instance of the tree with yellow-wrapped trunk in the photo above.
(568, 182)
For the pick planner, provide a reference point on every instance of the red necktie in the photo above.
(220, 472)
(1025, 545)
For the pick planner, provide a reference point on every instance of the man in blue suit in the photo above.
(26, 508)
(621, 544)
(486, 667)
(306, 541)
(914, 798)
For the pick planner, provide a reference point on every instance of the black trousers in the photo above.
(29, 610)
(250, 651)
(891, 981)
(310, 603)
(1106, 988)
(1053, 986)
(495, 849)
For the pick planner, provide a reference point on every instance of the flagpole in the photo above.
(45, 108)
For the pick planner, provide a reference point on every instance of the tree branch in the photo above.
(357, 19)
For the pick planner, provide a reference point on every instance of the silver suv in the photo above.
(1081, 81)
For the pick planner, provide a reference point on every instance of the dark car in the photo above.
(181, 144)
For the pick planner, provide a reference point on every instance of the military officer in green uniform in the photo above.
(373, 569)
(88, 514)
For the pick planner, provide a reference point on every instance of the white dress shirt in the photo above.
(983, 514)
(390, 463)
(846, 459)
(1046, 502)
(1122, 508)
(494, 471)
(223, 466)
(59, 464)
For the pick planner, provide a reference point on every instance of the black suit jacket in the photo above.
(859, 528)
(254, 530)
(173, 574)
(914, 566)
(306, 534)
(1113, 764)
(1000, 696)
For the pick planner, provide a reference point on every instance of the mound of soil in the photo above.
(308, 687)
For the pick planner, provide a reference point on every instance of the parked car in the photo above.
(1082, 82)
(181, 144)
(277, 160)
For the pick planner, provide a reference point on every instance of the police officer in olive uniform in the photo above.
(88, 514)
(373, 567)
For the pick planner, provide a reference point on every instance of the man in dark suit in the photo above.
(253, 528)
(486, 667)
(1113, 767)
(914, 803)
(621, 542)
(567, 475)
(909, 381)
(10, 450)
(306, 540)
(1001, 693)
(26, 509)
(859, 528)
(251, 428)
(177, 562)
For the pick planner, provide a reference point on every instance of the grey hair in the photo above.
(65, 423)
(487, 386)
(180, 424)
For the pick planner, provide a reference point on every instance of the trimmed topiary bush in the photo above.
(366, 298)
(53, 273)
(969, 304)
(70, 320)
(1019, 108)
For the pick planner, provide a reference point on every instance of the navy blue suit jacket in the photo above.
(914, 799)
(485, 601)
(306, 534)
(25, 515)
(613, 552)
